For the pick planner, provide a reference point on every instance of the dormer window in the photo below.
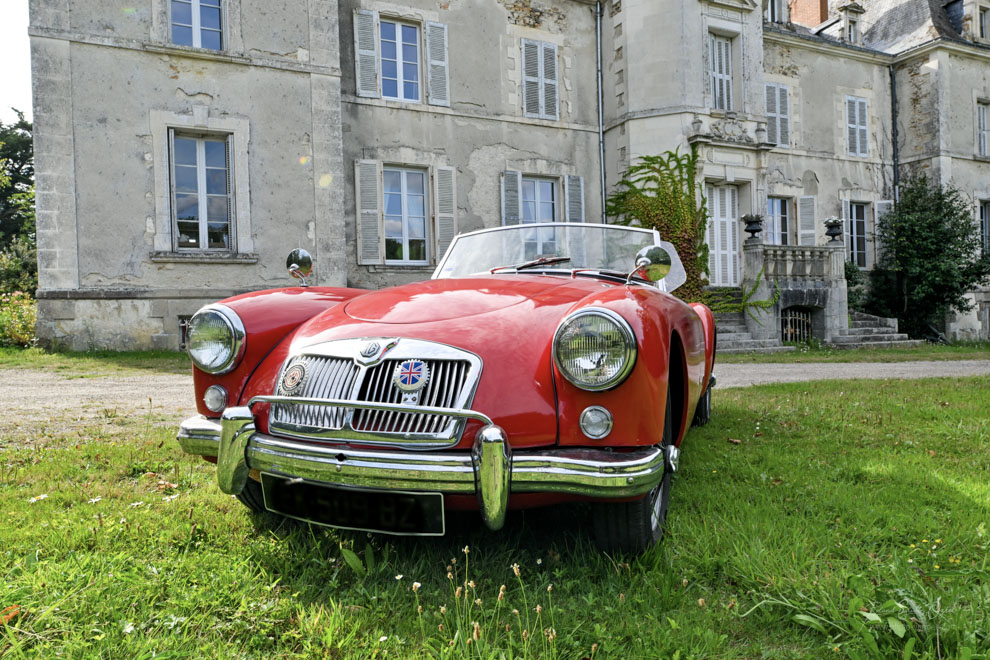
(775, 11)
(852, 31)
(983, 23)
(851, 14)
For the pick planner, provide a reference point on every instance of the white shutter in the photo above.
(720, 54)
(852, 132)
(806, 221)
(733, 247)
(511, 197)
(864, 141)
(772, 120)
(574, 198)
(880, 209)
(366, 52)
(549, 80)
(784, 117)
(445, 193)
(981, 129)
(847, 227)
(367, 199)
(532, 103)
(436, 64)
(712, 210)
(723, 236)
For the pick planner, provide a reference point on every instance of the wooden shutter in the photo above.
(445, 193)
(367, 199)
(721, 72)
(574, 198)
(366, 52)
(712, 210)
(436, 64)
(733, 246)
(548, 78)
(784, 116)
(981, 126)
(880, 209)
(806, 220)
(862, 127)
(852, 127)
(772, 120)
(532, 103)
(511, 197)
(847, 226)
(231, 236)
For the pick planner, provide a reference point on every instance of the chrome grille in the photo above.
(447, 380)
(338, 370)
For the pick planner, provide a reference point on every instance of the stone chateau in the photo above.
(184, 147)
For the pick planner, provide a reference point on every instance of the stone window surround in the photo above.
(230, 26)
(199, 120)
(731, 30)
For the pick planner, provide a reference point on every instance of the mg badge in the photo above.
(411, 375)
(371, 349)
(293, 378)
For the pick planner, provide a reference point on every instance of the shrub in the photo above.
(856, 287)
(19, 265)
(18, 313)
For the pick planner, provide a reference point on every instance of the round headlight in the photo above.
(215, 339)
(595, 349)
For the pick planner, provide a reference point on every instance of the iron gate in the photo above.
(795, 325)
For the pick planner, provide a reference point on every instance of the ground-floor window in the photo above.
(778, 220)
(405, 216)
(856, 238)
(201, 192)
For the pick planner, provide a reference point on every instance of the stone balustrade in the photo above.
(791, 263)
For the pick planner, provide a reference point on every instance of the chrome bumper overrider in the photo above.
(490, 471)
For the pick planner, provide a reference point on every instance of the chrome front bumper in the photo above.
(490, 470)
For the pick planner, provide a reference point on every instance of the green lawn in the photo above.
(850, 520)
(960, 351)
(95, 363)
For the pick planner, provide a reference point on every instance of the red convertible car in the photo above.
(542, 363)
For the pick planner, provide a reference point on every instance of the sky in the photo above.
(15, 60)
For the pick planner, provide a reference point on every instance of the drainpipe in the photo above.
(601, 103)
(893, 124)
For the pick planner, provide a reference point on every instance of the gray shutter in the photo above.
(864, 141)
(784, 117)
(532, 103)
(734, 253)
(511, 197)
(367, 200)
(712, 246)
(806, 221)
(772, 114)
(228, 147)
(574, 198)
(846, 227)
(549, 79)
(880, 209)
(366, 52)
(446, 206)
(437, 70)
(852, 133)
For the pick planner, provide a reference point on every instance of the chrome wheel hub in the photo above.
(672, 455)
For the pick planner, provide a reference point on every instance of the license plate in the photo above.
(383, 511)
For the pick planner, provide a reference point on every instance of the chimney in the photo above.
(809, 13)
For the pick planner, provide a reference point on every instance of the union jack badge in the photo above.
(411, 375)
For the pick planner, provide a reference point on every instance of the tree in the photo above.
(660, 192)
(930, 257)
(18, 253)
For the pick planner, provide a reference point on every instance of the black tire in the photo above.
(632, 527)
(703, 413)
(251, 496)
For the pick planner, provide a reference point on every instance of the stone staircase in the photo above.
(734, 337)
(868, 331)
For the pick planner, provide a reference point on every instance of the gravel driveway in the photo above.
(744, 375)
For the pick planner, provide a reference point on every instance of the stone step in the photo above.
(869, 320)
(908, 343)
(729, 317)
(872, 330)
(747, 343)
(732, 336)
(870, 339)
(765, 349)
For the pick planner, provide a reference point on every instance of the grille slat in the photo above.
(340, 378)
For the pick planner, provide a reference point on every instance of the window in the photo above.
(857, 133)
(856, 234)
(539, 63)
(775, 11)
(983, 129)
(197, 23)
(405, 216)
(984, 23)
(400, 60)
(720, 71)
(985, 225)
(202, 202)
(852, 31)
(778, 115)
(778, 217)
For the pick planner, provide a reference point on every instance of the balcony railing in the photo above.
(793, 262)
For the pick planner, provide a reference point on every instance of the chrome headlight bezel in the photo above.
(236, 344)
(629, 353)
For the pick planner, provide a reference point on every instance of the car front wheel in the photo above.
(632, 527)
(251, 496)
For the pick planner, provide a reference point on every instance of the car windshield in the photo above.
(570, 246)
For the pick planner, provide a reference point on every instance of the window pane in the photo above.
(209, 17)
(184, 151)
(414, 183)
(408, 53)
(417, 250)
(393, 204)
(210, 3)
(186, 207)
(216, 182)
(546, 211)
(388, 31)
(393, 249)
(216, 153)
(388, 50)
(546, 191)
(185, 179)
(181, 13)
(390, 69)
(410, 72)
(529, 189)
(210, 39)
(415, 206)
(409, 34)
(393, 181)
(529, 211)
(411, 91)
(182, 36)
(393, 226)
(417, 228)
(216, 209)
(218, 235)
(390, 88)
(188, 235)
